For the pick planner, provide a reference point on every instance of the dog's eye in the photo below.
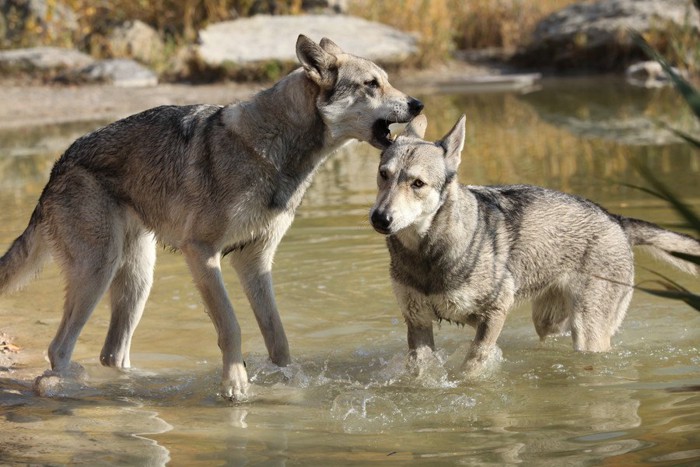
(418, 183)
(383, 174)
(372, 83)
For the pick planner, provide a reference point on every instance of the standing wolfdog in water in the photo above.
(466, 254)
(207, 180)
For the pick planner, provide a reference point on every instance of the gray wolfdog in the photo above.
(466, 254)
(208, 181)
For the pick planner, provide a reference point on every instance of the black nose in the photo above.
(381, 221)
(415, 106)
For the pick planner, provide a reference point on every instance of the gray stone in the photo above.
(136, 39)
(266, 38)
(649, 74)
(597, 35)
(120, 72)
(42, 60)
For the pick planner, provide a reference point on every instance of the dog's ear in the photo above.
(416, 128)
(453, 143)
(318, 64)
(330, 46)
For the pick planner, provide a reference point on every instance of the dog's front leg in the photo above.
(205, 265)
(487, 331)
(253, 264)
(419, 336)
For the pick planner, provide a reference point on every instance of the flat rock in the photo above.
(120, 72)
(42, 59)
(266, 38)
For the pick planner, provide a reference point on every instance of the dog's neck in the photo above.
(284, 124)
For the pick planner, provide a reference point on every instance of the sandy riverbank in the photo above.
(34, 104)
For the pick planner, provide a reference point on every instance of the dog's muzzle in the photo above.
(381, 222)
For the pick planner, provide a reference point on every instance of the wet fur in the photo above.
(467, 254)
(205, 180)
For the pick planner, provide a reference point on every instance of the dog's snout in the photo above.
(415, 106)
(381, 221)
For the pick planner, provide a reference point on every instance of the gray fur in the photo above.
(204, 180)
(467, 254)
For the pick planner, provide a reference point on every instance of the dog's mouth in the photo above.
(381, 134)
(382, 230)
(384, 133)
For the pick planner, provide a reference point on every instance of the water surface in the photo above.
(348, 397)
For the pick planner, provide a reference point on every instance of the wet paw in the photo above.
(234, 393)
(235, 387)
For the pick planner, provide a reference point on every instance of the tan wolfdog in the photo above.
(208, 181)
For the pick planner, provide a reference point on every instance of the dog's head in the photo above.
(355, 99)
(414, 176)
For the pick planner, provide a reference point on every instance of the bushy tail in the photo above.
(25, 257)
(661, 243)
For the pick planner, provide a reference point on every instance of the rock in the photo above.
(325, 6)
(45, 61)
(271, 38)
(120, 72)
(35, 22)
(285, 7)
(648, 74)
(597, 35)
(136, 39)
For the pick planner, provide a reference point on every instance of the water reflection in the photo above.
(349, 397)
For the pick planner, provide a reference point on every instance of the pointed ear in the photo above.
(330, 46)
(416, 128)
(453, 143)
(318, 64)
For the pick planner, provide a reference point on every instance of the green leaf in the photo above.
(689, 298)
(691, 96)
(695, 259)
(689, 139)
(683, 209)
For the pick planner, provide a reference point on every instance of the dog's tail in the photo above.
(662, 243)
(25, 257)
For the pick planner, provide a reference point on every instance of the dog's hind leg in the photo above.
(204, 262)
(87, 281)
(598, 312)
(551, 313)
(129, 291)
(85, 228)
(253, 264)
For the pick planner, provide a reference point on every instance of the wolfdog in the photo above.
(208, 181)
(466, 254)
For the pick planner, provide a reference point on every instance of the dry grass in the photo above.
(444, 25)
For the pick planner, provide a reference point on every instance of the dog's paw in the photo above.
(60, 383)
(235, 388)
(483, 364)
(234, 393)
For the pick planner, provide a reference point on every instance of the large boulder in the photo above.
(598, 35)
(265, 38)
(136, 39)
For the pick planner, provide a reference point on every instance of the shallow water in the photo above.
(348, 397)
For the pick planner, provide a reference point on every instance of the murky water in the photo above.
(348, 398)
